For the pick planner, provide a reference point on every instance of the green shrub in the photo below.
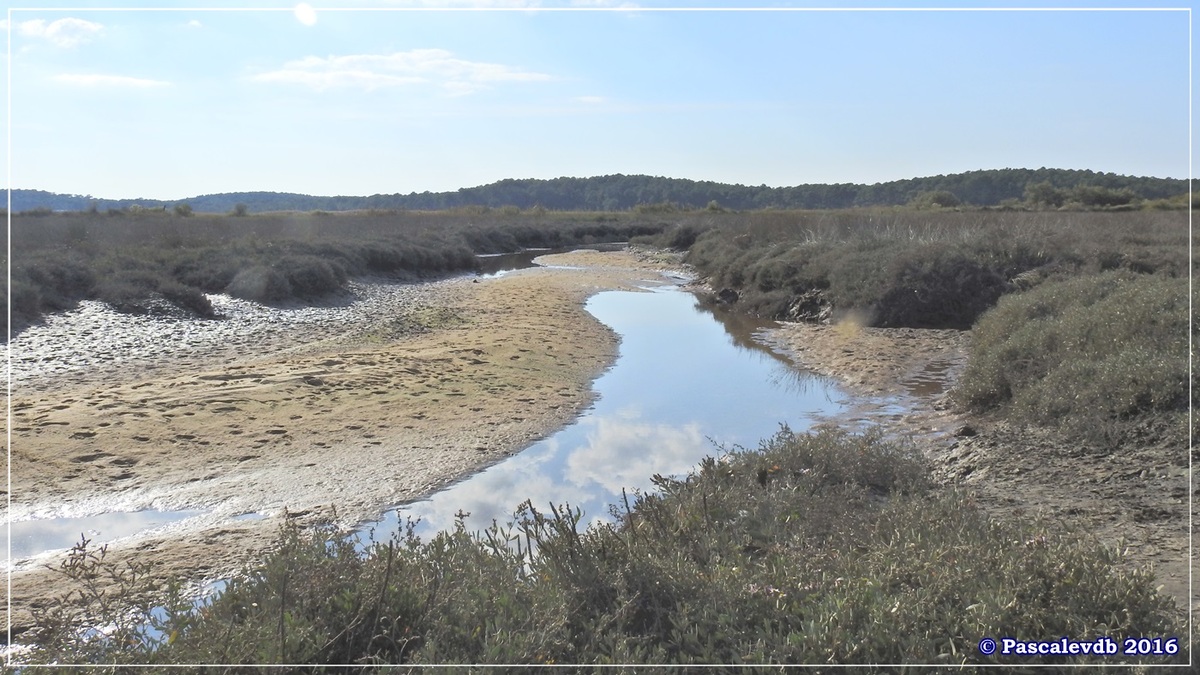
(935, 287)
(127, 287)
(188, 298)
(261, 284)
(816, 549)
(933, 268)
(62, 258)
(25, 303)
(311, 277)
(1087, 353)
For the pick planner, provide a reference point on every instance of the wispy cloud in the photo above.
(66, 33)
(591, 100)
(374, 71)
(195, 23)
(91, 80)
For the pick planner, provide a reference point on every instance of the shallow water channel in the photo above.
(687, 384)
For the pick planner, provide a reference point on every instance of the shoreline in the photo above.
(470, 372)
(1134, 500)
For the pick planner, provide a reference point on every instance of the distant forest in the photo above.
(620, 192)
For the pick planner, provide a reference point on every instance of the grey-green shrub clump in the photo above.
(1086, 353)
(817, 549)
(935, 268)
(151, 261)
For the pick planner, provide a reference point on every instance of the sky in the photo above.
(387, 96)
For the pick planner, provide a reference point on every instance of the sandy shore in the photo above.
(1135, 500)
(337, 425)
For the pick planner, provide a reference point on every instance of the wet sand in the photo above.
(333, 422)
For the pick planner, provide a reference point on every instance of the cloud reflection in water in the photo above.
(686, 382)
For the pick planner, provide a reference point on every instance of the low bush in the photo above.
(1087, 353)
(925, 269)
(260, 283)
(135, 259)
(188, 298)
(311, 277)
(817, 549)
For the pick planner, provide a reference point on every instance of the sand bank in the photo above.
(334, 421)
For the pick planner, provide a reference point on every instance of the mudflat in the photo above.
(335, 425)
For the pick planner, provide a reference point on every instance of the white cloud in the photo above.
(374, 71)
(195, 23)
(68, 32)
(109, 81)
(590, 99)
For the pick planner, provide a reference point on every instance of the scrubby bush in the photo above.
(187, 297)
(62, 258)
(681, 236)
(934, 269)
(937, 287)
(1086, 353)
(261, 284)
(311, 277)
(816, 549)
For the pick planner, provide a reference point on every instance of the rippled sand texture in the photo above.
(352, 408)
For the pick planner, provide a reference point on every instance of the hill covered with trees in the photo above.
(1050, 187)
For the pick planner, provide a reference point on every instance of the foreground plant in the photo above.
(815, 549)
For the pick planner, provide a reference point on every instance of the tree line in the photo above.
(994, 187)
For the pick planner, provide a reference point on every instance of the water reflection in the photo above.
(497, 264)
(743, 329)
(492, 265)
(32, 537)
(683, 385)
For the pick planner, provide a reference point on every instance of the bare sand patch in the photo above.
(338, 428)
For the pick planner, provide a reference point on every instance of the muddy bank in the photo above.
(334, 419)
(1136, 498)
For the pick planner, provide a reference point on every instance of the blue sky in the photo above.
(171, 104)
